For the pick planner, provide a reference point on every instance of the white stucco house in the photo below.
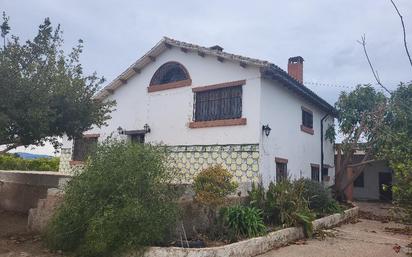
(211, 107)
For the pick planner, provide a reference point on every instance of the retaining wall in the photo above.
(194, 215)
(21, 190)
(254, 246)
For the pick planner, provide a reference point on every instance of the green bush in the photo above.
(284, 200)
(284, 204)
(121, 201)
(13, 162)
(257, 196)
(212, 185)
(319, 197)
(304, 218)
(243, 222)
(402, 190)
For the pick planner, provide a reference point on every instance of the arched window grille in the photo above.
(168, 73)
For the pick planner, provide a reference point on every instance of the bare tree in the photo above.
(404, 32)
(352, 141)
(374, 72)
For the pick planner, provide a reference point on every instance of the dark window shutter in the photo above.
(83, 147)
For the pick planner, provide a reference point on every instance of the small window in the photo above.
(307, 118)
(281, 171)
(168, 73)
(359, 181)
(325, 173)
(137, 138)
(83, 147)
(218, 104)
(315, 173)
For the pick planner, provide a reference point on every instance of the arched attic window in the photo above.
(169, 75)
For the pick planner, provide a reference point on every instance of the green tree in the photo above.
(360, 119)
(5, 28)
(395, 145)
(44, 92)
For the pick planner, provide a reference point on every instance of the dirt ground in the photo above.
(15, 241)
(364, 238)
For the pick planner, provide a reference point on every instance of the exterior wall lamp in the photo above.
(120, 130)
(266, 129)
(146, 128)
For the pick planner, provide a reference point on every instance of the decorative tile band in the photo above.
(241, 160)
(65, 158)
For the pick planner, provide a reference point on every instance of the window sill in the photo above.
(76, 163)
(172, 85)
(326, 179)
(217, 123)
(306, 129)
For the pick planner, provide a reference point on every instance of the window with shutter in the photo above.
(315, 173)
(218, 104)
(83, 147)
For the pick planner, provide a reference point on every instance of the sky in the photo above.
(323, 32)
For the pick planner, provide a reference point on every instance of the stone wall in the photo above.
(20, 190)
(41, 215)
(194, 215)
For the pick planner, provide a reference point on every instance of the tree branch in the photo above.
(374, 72)
(404, 32)
(8, 148)
(363, 163)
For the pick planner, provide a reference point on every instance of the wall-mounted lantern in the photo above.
(266, 129)
(146, 128)
(120, 130)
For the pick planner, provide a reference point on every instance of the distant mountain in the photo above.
(32, 156)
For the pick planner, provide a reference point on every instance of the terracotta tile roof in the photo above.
(268, 70)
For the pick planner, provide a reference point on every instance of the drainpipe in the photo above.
(321, 145)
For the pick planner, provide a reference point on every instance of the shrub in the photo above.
(402, 190)
(319, 197)
(121, 201)
(14, 162)
(257, 196)
(287, 206)
(212, 185)
(304, 218)
(284, 199)
(243, 222)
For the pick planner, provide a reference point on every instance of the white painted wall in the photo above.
(264, 102)
(169, 112)
(281, 109)
(370, 191)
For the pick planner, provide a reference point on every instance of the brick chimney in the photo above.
(295, 68)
